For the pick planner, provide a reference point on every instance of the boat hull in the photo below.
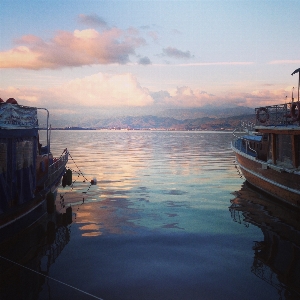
(272, 180)
(30, 213)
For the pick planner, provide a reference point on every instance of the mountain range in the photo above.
(206, 118)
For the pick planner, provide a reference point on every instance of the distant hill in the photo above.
(207, 111)
(229, 123)
(139, 122)
(207, 118)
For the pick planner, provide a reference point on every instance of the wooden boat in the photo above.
(268, 151)
(29, 175)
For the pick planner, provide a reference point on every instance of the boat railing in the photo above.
(241, 143)
(56, 169)
(276, 115)
(247, 126)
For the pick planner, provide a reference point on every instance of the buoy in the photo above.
(94, 181)
(68, 177)
(50, 202)
(12, 101)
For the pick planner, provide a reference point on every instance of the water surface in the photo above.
(169, 218)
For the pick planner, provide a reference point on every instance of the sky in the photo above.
(92, 57)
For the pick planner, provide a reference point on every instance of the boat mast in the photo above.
(297, 71)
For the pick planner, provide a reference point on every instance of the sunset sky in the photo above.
(92, 56)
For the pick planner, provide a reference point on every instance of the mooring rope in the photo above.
(78, 167)
(79, 173)
(68, 285)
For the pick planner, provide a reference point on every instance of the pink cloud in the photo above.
(29, 95)
(186, 97)
(123, 90)
(280, 62)
(98, 90)
(104, 90)
(78, 48)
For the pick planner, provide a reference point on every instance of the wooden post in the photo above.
(273, 141)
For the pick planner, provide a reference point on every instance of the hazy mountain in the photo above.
(207, 111)
(206, 118)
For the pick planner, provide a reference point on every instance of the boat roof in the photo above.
(14, 116)
(256, 138)
(279, 127)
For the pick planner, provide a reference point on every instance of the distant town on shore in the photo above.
(226, 119)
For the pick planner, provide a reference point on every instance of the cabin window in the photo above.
(3, 158)
(284, 154)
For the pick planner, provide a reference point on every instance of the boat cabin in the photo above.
(281, 147)
(277, 136)
(22, 166)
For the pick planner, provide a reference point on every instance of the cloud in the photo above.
(160, 96)
(265, 97)
(280, 62)
(176, 53)
(144, 61)
(120, 91)
(218, 63)
(186, 97)
(92, 20)
(72, 49)
(98, 90)
(29, 95)
(154, 35)
(105, 90)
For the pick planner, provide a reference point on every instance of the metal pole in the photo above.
(298, 86)
(297, 71)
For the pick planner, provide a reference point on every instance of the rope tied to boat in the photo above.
(46, 276)
(68, 181)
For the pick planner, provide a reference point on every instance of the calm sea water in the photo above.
(169, 218)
